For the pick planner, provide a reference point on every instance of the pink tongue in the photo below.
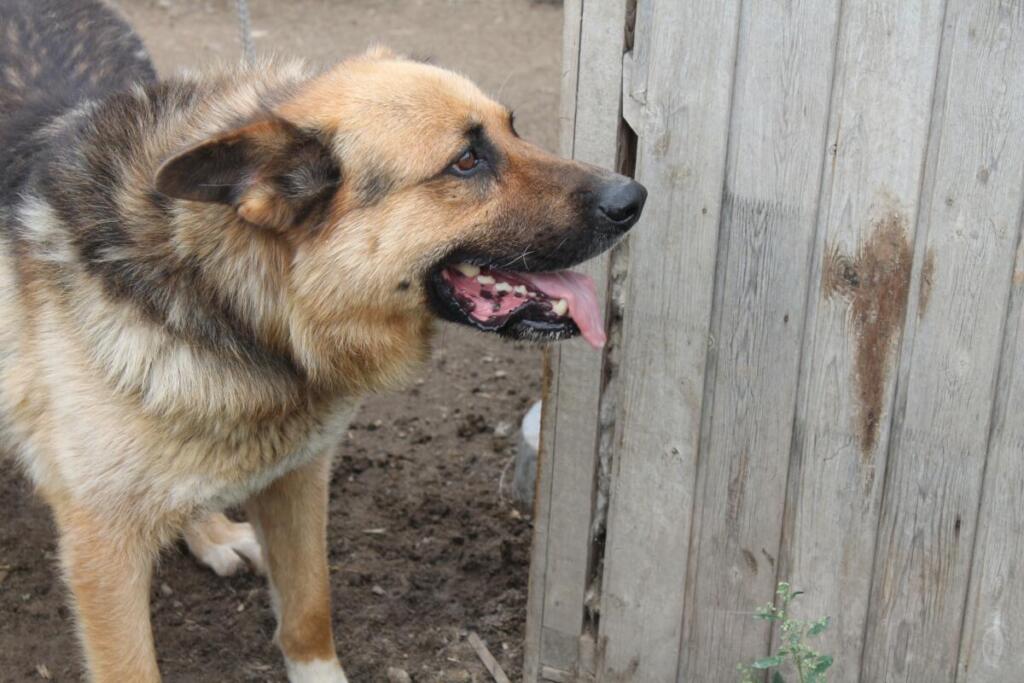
(577, 289)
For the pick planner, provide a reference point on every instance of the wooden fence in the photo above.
(816, 361)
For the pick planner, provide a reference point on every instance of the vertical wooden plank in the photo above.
(992, 647)
(572, 26)
(592, 82)
(885, 69)
(542, 519)
(681, 159)
(948, 371)
(776, 153)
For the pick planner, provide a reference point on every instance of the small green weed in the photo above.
(810, 665)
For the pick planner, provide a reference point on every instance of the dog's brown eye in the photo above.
(467, 162)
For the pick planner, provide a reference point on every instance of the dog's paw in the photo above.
(224, 546)
(315, 671)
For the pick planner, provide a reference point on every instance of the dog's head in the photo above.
(405, 192)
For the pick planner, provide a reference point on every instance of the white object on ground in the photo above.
(525, 479)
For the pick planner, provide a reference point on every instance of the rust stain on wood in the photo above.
(735, 492)
(924, 295)
(751, 560)
(875, 281)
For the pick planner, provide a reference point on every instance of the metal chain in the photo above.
(245, 31)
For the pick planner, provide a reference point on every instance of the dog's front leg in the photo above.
(290, 517)
(108, 569)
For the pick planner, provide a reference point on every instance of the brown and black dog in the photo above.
(200, 277)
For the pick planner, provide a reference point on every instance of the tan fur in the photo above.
(109, 573)
(291, 518)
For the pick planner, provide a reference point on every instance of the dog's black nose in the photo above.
(619, 204)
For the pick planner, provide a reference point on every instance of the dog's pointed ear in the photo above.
(274, 174)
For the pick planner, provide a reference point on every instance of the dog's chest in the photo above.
(253, 456)
(172, 467)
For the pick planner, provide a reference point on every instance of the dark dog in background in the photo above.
(199, 279)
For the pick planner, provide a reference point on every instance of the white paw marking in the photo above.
(315, 671)
(224, 546)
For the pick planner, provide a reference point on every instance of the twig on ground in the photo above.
(501, 479)
(488, 660)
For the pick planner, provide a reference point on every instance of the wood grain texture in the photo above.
(776, 153)
(690, 51)
(820, 381)
(948, 370)
(886, 61)
(992, 646)
(596, 28)
(542, 514)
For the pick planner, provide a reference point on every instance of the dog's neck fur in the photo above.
(190, 282)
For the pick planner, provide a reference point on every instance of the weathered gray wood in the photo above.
(776, 153)
(572, 18)
(542, 520)
(557, 675)
(681, 159)
(592, 82)
(815, 288)
(886, 61)
(951, 355)
(992, 647)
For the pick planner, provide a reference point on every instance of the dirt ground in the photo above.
(424, 548)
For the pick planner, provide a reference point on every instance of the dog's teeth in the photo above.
(503, 287)
(560, 307)
(468, 269)
(485, 279)
(520, 290)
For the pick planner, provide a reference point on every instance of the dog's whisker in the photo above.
(521, 257)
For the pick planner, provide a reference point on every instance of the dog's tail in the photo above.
(65, 51)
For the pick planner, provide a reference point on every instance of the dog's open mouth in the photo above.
(541, 306)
